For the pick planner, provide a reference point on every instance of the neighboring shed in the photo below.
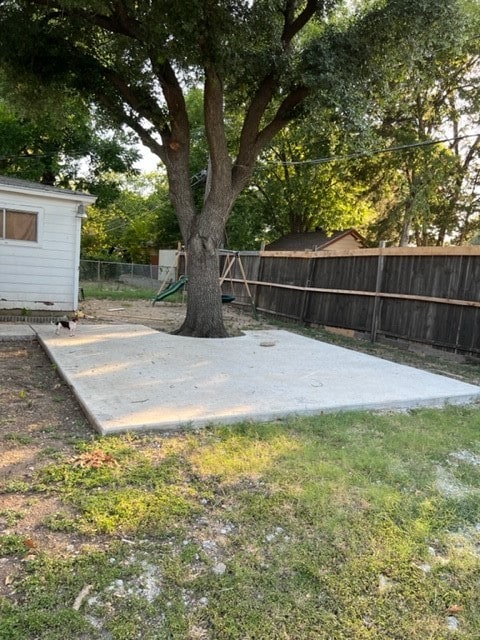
(40, 228)
(318, 241)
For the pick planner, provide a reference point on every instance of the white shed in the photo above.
(40, 229)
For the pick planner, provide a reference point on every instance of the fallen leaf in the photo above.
(455, 608)
(95, 459)
(30, 544)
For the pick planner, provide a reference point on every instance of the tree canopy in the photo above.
(57, 138)
(261, 63)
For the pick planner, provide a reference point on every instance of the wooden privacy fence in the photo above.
(429, 294)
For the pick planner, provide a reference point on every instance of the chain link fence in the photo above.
(97, 270)
(141, 275)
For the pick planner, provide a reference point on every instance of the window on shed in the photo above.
(18, 225)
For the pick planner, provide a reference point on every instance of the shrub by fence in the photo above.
(429, 295)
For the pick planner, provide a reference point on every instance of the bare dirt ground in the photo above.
(39, 420)
(163, 316)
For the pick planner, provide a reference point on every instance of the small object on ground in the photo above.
(95, 459)
(453, 623)
(267, 344)
(81, 597)
(219, 569)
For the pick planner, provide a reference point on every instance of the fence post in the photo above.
(378, 288)
(307, 294)
(258, 275)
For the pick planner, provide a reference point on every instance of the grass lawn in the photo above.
(109, 290)
(343, 526)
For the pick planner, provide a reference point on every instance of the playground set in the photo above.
(231, 259)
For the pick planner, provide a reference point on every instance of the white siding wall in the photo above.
(41, 275)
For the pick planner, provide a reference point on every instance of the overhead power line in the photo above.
(200, 177)
(373, 152)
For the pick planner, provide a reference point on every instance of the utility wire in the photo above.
(200, 177)
(364, 154)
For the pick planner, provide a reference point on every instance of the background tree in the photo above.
(426, 191)
(260, 59)
(61, 140)
(140, 221)
(300, 191)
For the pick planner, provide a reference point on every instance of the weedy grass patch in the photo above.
(118, 489)
(115, 291)
(121, 291)
(345, 526)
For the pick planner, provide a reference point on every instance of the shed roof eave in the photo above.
(23, 187)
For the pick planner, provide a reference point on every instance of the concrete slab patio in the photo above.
(16, 331)
(130, 377)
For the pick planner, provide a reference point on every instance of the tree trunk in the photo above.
(204, 318)
(405, 232)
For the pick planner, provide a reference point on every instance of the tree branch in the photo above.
(474, 149)
(250, 136)
(176, 145)
(138, 100)
(175, 101)
(293, 26)
(246, 159)
(120, 22)
(215, 132)
(253, 118)
(122, 116)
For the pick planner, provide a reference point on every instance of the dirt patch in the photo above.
(163, 316)
(39, 421)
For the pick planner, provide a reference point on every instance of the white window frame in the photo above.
(37, 211)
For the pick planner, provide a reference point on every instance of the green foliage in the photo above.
(424, 194)
(55, 137)
(60, 521)
(135, 225)
(50, 589)
(298, 196)
(15, 486)
(10, 516)
(246, 227)
(117, 490)
(19, 438)
(12, 544)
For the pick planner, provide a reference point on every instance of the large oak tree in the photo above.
(266, 58)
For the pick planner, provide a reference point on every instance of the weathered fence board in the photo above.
(429, 294)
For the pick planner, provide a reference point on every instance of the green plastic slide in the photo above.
(170, 290)
(178, 285)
